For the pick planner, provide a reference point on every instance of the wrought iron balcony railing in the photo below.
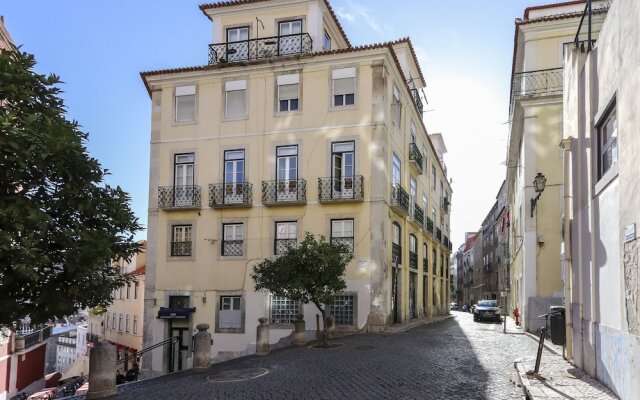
(348, 241)
(438, 234)
(429, 225)
(400, 199)
(418, 215)
(425, 265)
(280, 193)
(537, 83)
(180, 249)
(179, 197)
(280, 246)
(255, 49)
(445, 241)
(396, 253)
(413, 260)
(415, 156)
(444, 204)
(232, 247)
(416, 97)
(343, 189)
(230, 194)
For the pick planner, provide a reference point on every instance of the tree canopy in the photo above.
(312, 272)
(60, 223)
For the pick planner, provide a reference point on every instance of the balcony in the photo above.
(396, 254)
(180, 249)
(92, 337)
(256, 49)
(283, 193)
(413, 260)
(232, 247)
(280, 246)
(228, 195)
(537, 83)
(347, 241)
(438, 234)
(418, 215)
(349, 189)
(400, 199)
(429, 225)
(418, 100)
(179, 197)
(23, 342)
(415, 157)
(446, 242)
(444, 205)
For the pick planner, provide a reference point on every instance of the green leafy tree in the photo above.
(313, 272)
(60, 223)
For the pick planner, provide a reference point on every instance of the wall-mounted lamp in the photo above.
(538, 184)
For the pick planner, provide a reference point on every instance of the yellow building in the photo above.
(541, 38)
(290, 129)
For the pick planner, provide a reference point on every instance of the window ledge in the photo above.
(230, 119)
(608, 177)
(184, 123)
(229, 330)
(343, 108)
(287, 113)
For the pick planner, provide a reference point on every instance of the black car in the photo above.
(486, 309)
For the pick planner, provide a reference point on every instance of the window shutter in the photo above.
(288, 92)
(236, 103)
(185, 108)
(344, 86)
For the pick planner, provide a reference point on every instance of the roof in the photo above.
(232, 3)
(139, 271)
(470, 240)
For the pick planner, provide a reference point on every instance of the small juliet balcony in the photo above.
(396, 254)
(537, 83)
(429, 225)
(400, 199)
(444, 205)
(181, 249)
(438, 235)
(347, 241)
(413, 260)
(280, 246)
(261, 48)
(415, 158)
(227, 195)
(445, 241)
(416, 98)
(284, 192)
(232, 247)
(418, 215)
(179, 197)
(348, 189)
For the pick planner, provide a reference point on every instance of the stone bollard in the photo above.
(330, 324)
(262, 337)
(299, 338)
(102, 371)
(202, 347)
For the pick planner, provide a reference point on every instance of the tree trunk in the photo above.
(325, 334)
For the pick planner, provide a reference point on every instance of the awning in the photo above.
(175, 312)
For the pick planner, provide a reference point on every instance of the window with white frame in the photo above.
(113, 321)
(185, 103)
(344, 86)
(396, 108)
(181, 240)
(342, 308)
(128, 291)
(286, 236)
(326, 44)
(607, 140)
(126, 325)
(230, 312)
(433, 177)
(107, 320)
(342, 232)
(135, 324)
(233, 243)
(235, 99)
(135, 290)
(120, 322)
(342, 168)
(288, 92)
(283, 310)
(238, 43)
(396, 170)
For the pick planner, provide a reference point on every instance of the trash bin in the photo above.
(558, 326)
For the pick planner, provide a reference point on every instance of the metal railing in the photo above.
(348, 241)
(444, 204)
(418, 215)
(180, 249)
(230, 194)
(416, 97)
(276, 193)
(179, 197)
(341, 189)
(415, 156)
(438, 234)
(232, 247)
(280, 246)
(255, 49)
(133, 357)
(537, 83)
(396, 253)
(413, 260)
(429, 225)
(400, 198)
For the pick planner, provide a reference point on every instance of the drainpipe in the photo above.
(565, 145)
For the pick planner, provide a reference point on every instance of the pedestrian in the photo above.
(119, 377)
(132, 374)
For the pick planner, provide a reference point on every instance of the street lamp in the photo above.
(538, 184)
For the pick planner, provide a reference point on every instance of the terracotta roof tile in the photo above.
(139, 271)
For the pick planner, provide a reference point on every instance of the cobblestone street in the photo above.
(451, 359)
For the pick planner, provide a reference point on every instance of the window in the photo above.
(290, 40)
(288, 92)
(413, 189)
(183, 190)
(425, 261)
(178, 301)
(424, 202)
(121, 293)
(396, 108)
(113, 321)
(287, 173)
(135, 290)
(342, 169)
(107, 320)
(120, 322)
(126, 326)
(235, 99)
(396, 249)
(434, 262)
(233, 243)
(234, 169)
(128, 291)
(413, 251)
(412, 135)
(181, 241)
(396, 170)
(442, 265)
(344, 86)
(230, 312)
(283, 310)
(135, 324)
(342, 232)
(238, 43)
(326, 44)
(433, 177)
(185, 104)
(343, 309)
(286, 236)
(607, 140)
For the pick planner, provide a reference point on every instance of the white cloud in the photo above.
(345, 15)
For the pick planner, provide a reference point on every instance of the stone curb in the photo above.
(407, 327)
(546, 345)
(524, 380)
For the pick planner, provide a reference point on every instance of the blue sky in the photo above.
(98, 48)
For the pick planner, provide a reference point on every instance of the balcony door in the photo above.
(233, 176)
(183, 179)
(290, 38)
(238, 43)
(287, 173)
(342, 169)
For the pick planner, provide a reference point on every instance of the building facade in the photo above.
(468, 268)
(541, 38)
(290, 129)
(601, 176)
(490, 256)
